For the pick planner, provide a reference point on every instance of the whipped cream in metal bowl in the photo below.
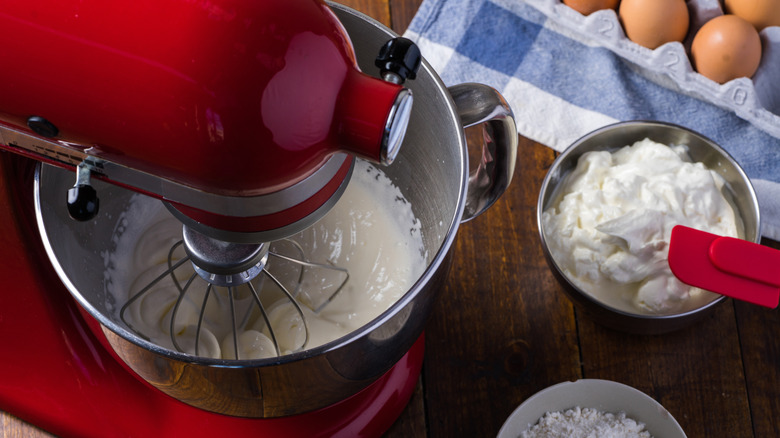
(608, 225)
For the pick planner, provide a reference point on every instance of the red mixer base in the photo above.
(56, 375)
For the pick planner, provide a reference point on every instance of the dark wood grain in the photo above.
(402, 12)
(686, 371)
(497, 335)
(759, 331)
(377, 9)
(503, 330)
(12, 427)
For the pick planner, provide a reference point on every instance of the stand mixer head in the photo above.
(245, 118)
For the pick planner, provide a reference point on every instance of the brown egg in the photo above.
(651, 23)
(587, 7)
(725, 48)
(759, 13)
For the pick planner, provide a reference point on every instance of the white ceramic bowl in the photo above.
(604, 395)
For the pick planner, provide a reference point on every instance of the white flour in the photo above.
(586, 423)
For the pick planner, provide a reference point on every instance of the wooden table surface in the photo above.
(503, 330)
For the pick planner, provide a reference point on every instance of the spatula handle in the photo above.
(725, 265)
(746, 259)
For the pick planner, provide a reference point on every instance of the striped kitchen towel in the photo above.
(561, 88)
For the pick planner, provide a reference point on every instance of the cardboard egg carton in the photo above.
(756, 100)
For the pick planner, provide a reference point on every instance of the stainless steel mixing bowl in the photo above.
(613, 137)
(433, 173)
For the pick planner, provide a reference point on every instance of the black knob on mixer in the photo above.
(398, 60)
(42, 127)
(83, 202)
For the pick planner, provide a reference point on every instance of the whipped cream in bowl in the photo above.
(606, 210)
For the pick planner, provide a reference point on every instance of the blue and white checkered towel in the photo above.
(561, 89)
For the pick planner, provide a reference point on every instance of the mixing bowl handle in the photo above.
(481, 104)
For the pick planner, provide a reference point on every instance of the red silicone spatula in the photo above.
(733, 267)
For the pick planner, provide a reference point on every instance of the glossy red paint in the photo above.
(236, 97)
(57, 375)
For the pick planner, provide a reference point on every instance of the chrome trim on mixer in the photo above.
(72, 155)
(395, 128)
(49, 150)
(261, 205)
(224, 263)
(267, 235)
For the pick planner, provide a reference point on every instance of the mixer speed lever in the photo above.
(83, 202)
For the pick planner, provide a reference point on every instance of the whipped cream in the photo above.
(371, 231)
(609, 225)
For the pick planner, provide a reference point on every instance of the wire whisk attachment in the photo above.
(232, 301)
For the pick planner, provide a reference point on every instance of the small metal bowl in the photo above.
(614, 137)
(602, 395)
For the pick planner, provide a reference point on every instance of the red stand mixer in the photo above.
(245, 119)
(233, 112)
